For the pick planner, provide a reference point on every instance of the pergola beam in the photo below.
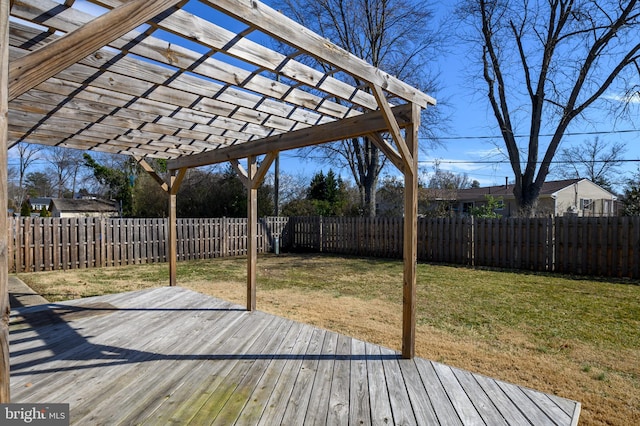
(388, 150)
(334, 131)
(32, 69)
(243, 175)
(269, 21)
(263, 169)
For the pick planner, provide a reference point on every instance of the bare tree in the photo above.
(13, 189)
(65, 164)
(595, 160)
(567, 56)
(446, 179)
(395, 35)
(27, 154)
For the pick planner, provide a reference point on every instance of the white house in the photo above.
(66, 207)
(579, 197)
(37, 203)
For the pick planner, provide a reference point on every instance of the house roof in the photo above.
(437, 194)
(193, 77)
(83, 206)
(506, 191)
(39, 200)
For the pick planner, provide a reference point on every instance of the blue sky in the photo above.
(470, 139)
(473, 135)
(467, 145)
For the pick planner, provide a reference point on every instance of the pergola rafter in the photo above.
(167, 79)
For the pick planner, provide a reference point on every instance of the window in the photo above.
(585, 203)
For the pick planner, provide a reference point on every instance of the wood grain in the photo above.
(173, 356)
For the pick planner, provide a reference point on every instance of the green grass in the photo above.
(550, 308)
(574, 336)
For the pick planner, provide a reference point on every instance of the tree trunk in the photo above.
(367, 162)
(526, 195)
(369, 197)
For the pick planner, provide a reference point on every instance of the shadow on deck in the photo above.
(170, 355)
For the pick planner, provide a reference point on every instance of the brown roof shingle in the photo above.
(506, 191)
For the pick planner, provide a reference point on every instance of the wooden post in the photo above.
(172, 238)
(410, 249)
(174, 185)
(251, 179)
(252, 231)
(4, 197)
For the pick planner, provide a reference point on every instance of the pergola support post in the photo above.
(252, 177)
(174, 184)
(408, 152)
(252, 231)
(4, 197)
(410, 249)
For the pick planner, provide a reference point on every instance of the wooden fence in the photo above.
(45, 244)
(597, 246)
(602, 246)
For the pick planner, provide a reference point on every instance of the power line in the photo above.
(601, 132)
(509, 162)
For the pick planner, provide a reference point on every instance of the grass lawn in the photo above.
(574, 337)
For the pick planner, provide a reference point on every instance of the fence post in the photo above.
(596, 246)
(472, 240)
(27, 244)
(11, 243)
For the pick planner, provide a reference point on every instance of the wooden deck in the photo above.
(173, 356)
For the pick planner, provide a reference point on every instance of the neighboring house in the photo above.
(579, 197)
(39, 203)
(66, 207)
(431, 202)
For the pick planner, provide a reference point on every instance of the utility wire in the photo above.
(509, 162)
(602, 132)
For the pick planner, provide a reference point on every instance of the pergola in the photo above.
(195, 83)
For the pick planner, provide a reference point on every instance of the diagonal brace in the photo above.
(394, 128)
(147, 168)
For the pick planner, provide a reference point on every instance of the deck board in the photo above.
(400, 404)
(379, 396)
(425, 415)
(458, 397)
(360, 408)
(174, 356)
(437, 394)
(296, 410)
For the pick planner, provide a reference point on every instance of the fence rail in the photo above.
(600, 246)
(45, 244)
(597, 246)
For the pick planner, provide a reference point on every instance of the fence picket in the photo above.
(593, 246)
